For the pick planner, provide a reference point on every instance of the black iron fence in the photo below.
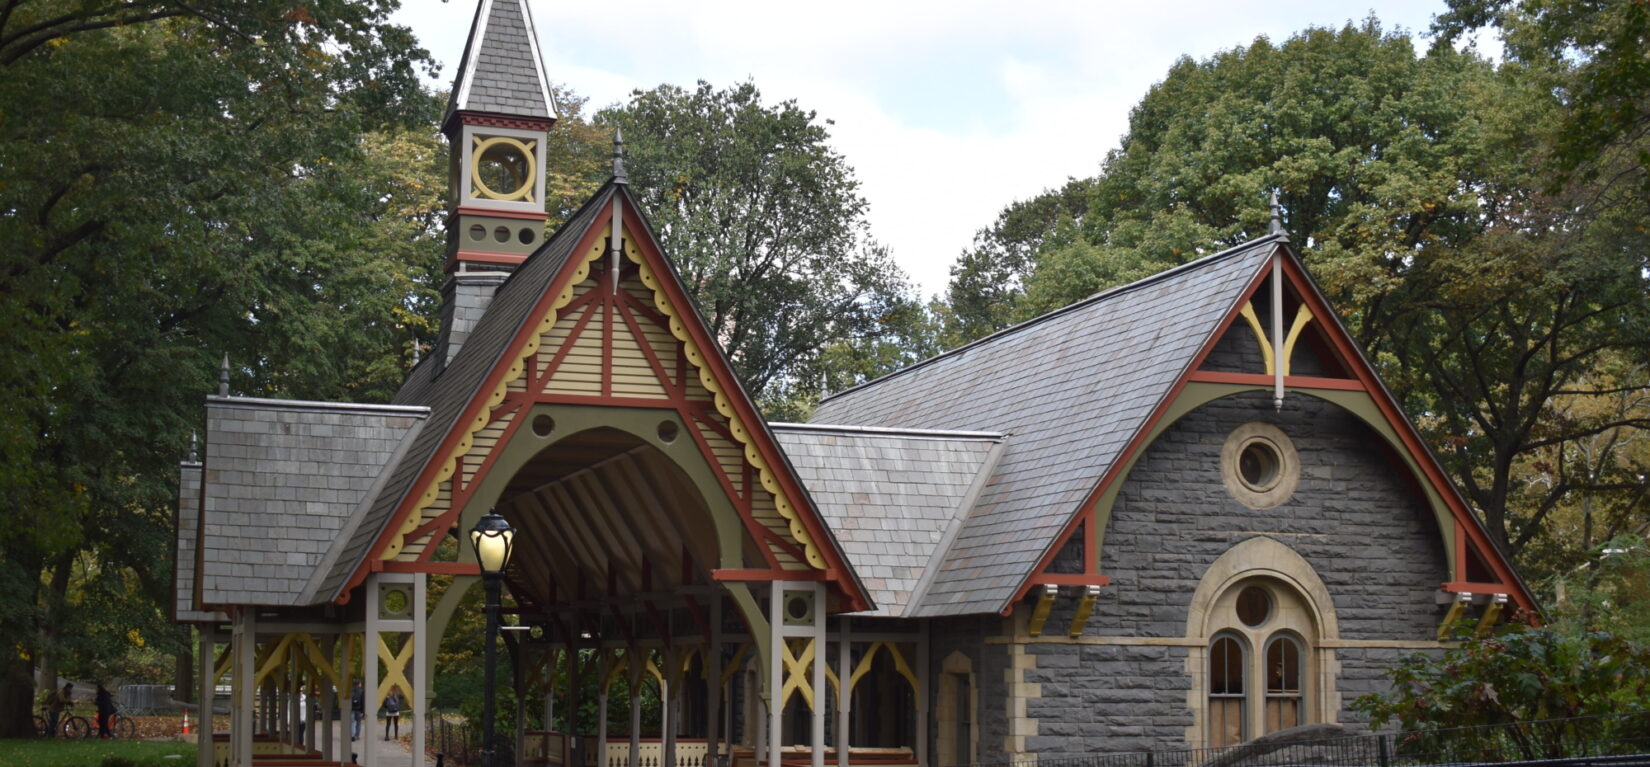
(458, 743)
(1610, 741)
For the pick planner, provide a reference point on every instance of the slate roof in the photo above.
(1071, 388)
(187, 522)
(283, 479)
(501, 71)
(893, 497)
(446, 391)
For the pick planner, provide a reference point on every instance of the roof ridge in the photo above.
(306, 404)
(888, 431)
(1103, 295)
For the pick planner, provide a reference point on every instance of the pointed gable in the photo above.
(1071, 388)
(501, 71)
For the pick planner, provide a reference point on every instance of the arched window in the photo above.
(1228, 670)
(1285, 669)
(1257, 673)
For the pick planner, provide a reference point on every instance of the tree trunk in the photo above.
(16, 698)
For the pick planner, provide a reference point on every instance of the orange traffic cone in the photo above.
(186, 729)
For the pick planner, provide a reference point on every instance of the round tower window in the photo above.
(1259, 465)
(503, 168)
(526, 236)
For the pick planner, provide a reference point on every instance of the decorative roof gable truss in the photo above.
(1309, 330)
(616, 329)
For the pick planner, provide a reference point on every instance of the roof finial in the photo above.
(1277, 216)
(223, 377)
(416, 348)
(194, 457)
(618, 157)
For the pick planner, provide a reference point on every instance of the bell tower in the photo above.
(496, 122)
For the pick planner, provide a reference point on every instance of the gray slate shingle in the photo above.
(281, 480)
(502, 76)
(1071, 388)
(890, 497)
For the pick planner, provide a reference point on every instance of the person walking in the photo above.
(105, 709)
(55, 704)
(357, 710)
(392, 711)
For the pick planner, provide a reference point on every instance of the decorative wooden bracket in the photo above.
(1456, 609)
(1039, 614)
(1491, 614)
(1084, 608)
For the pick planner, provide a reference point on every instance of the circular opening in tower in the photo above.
(668, 431)
(543, 425)
(503, 169)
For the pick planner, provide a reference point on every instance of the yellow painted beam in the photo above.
(1039, 614)
(1456, 609)
(1491, 615)
(395, 668)
(1249, 315)
(1303, 316)
(1085, 607)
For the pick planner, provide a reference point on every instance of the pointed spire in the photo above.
(618, 157)
(1277, 216)
(501, 71)
(223, 377)
(417, 347)
(194, 457)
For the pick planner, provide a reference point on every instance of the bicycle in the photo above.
(68, 725)
(121, 725)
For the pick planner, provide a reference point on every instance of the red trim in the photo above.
(484, 257)
(647, 350)
(434, 568)
(1070, 579)
(541, 379)
(1261, 379)
(607, 337)
(524, 215)
(496, 120)
(730, 574)
(1459, 587)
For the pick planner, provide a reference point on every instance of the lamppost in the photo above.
(492, 538)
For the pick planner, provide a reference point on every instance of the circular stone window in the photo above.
(1254, 606)
(1259, 465)
(543, 425)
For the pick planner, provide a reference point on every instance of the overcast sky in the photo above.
(947, 111)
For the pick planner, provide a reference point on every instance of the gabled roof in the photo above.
(447, 391)
(501, 71)
(893, 497)
(1071, 388)
(283, 480)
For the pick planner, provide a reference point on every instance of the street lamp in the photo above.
(492, 538)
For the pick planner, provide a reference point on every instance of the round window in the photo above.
(1254, 606)
(1258, 464)
(543, 425)
(504, 169)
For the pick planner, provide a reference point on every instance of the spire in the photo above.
(501, 72)
(1277, 216)
(618, 157)
(417, 347)
(223, 377)
(194, 457)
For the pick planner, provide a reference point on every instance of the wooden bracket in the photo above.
(1456, 609)
(1491, 614)
(1039, 614)
(1084, 608)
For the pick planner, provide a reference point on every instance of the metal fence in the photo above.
(1612, 741)
(459, 744)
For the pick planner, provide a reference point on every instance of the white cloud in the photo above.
(948, 111)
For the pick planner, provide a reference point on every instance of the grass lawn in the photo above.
(46, 752)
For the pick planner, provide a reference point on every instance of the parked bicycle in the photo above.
(68, 725)
(121, 724)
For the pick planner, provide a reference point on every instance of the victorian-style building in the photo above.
(1183, 512)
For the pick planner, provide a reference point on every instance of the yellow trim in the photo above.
(1039, 614)
(613, 670)
(1085, 606)
(529, 149)
(900, 666)
(653, 669)
(272, 659)
(796, 671)
(318, 660)
(395, 668)
(734, 663)
(1248, 313)
(225, 660)
(724, 406)
(1303, 316)
(1488, 619)
(1450, 618)
(518, 368)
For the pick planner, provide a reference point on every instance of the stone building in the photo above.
(1180, 513)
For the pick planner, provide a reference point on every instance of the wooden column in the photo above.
(821, 697)
(667, 697)
(713, 683)
(421, 694)
(844, 695)
(329, 697)
(637, 665)
(208, 688)
(245, 648)
(601, 705)
(923, 686)
(776, 671)
(369, 674)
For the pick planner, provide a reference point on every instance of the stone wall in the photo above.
(1353, 518)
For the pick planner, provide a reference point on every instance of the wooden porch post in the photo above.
(923, 687)
(636, 666)
(329, 696)
(821, 697)
(421, 693)
(601, 706)
(713, 683)
(346, 682)
(844, 695)
(776, 671)
(369, 673)
(245, 647)
(667, 700)
(208, 686)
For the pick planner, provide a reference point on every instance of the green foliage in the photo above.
(766, 226)
(178, 181)
(986, 279)
(1608, 593)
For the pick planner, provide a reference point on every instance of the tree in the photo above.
(1417, 190)
(766, 225)
(178, 181)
